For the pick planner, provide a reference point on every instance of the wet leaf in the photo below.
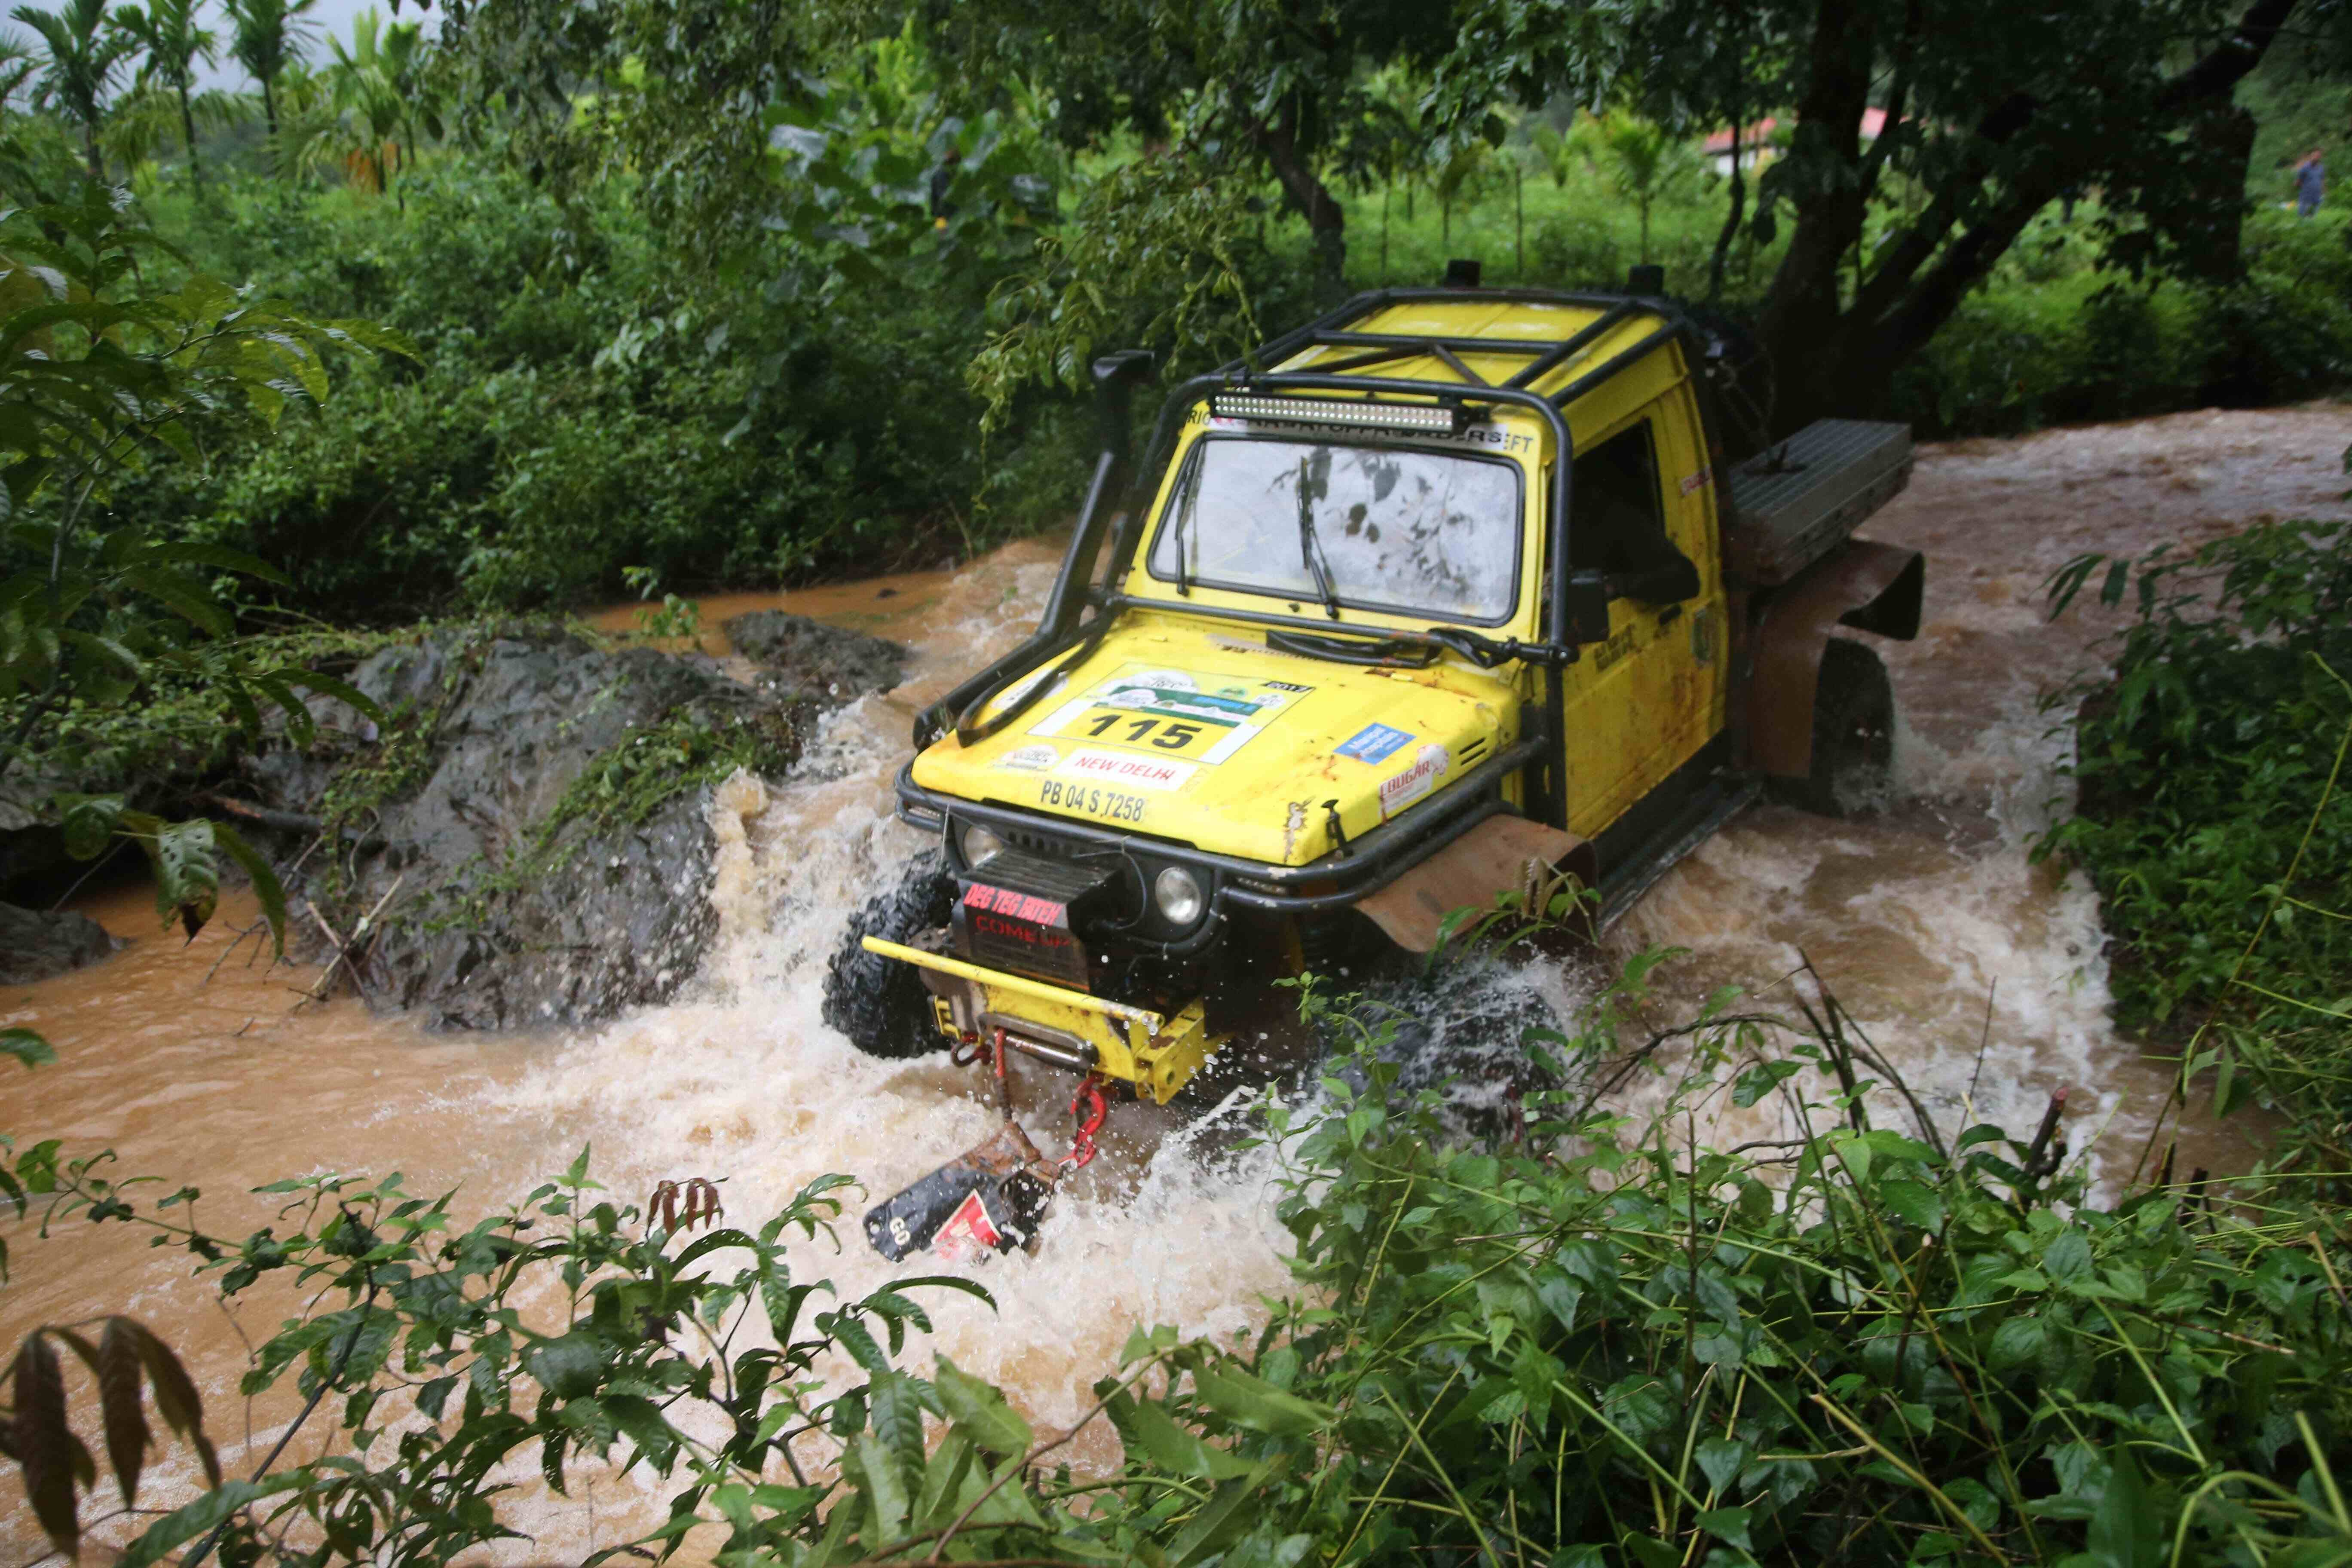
(1257, 1404)
(981, 1410)
(122, 1406)
(176, 1400)
(26, 1046)
(44, 1444)
(267, 889)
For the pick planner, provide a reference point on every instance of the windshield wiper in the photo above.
(1184, 516)
(1310, 546)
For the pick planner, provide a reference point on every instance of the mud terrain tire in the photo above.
(1854, 735)
(879, 1003)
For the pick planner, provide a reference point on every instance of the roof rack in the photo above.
(1543, 355)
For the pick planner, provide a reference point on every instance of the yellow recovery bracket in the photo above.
(1133, 1045)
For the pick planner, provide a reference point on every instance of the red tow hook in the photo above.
(1082, 1142)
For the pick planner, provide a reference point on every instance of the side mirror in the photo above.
(1584, 614)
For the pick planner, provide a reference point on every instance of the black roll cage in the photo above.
(1394, 847)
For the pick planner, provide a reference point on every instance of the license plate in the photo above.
(1026, 932)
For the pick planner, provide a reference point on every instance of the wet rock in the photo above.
(522, 839)
(37, 943)
(807, 656)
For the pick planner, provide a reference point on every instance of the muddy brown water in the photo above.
(1978, 974)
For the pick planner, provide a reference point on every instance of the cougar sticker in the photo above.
(1432, 763)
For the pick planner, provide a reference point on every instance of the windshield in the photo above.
(1434, 534)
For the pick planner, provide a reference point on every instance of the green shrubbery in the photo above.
(1581, 1346)
(2215, 816)
(586, 402)
(2076, 345)
(584, 406)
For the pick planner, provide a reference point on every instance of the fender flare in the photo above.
(1869, 587)
(1495, 857)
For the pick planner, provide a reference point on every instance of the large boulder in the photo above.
(522, 839)
(37, 943)
(824, 662)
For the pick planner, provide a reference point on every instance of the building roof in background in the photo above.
(1874, 120)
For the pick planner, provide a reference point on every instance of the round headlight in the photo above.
(1178, 893)
(978, 844)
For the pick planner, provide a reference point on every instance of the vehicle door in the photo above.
(1640, 704)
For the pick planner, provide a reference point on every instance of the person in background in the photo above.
(2310, 182)
(942, 178)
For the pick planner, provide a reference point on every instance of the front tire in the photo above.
(1854, 735)
(881, 1002)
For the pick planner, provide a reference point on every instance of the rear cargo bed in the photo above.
(1791, 504)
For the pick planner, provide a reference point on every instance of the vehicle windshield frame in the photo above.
(1186, 481)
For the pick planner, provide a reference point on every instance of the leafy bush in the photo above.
(2213, 813)
(586, 403)
(1581, 1345)
(1858, 1346)
(2077, 346)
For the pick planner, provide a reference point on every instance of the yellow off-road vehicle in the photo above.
(1446, 584)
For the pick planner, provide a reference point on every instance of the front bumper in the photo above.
(1155, 1053)
(1370, 862)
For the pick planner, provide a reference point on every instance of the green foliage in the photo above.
(1152, 255)
(1584, 1344)
(98, 367)
(1878, 1352)
(171, 41)
(363, 113)
(2072, 345)
(79, 61)
(2213, 813)
(1643, 162)
(624, 786)
(583, 404)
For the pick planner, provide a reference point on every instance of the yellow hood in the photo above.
(1208, 738)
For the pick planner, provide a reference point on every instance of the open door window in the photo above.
(1617, 521)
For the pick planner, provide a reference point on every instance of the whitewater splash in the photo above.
(740, 1079)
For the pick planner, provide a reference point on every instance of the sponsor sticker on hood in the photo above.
(1194, 716)
(1031, 759)
(1375, 743)
(1431, 763)
(1119, 768)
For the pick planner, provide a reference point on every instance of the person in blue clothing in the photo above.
(2310, 183)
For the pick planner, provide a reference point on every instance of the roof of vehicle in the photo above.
(1555, 344)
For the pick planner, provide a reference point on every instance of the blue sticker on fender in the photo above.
(1374, 744)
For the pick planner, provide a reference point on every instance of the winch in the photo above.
(991, 1197)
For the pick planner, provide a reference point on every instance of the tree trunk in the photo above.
(1800, 321)
(1313, 200)
(1832, 359)
(1730, 230)
(89, 151)
(188, 137)
(269, 107)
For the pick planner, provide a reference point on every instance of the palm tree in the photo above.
(80, 57)
(270, 34)
(378, 105)
(167, 32)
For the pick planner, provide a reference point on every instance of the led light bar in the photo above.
(1424, 418)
